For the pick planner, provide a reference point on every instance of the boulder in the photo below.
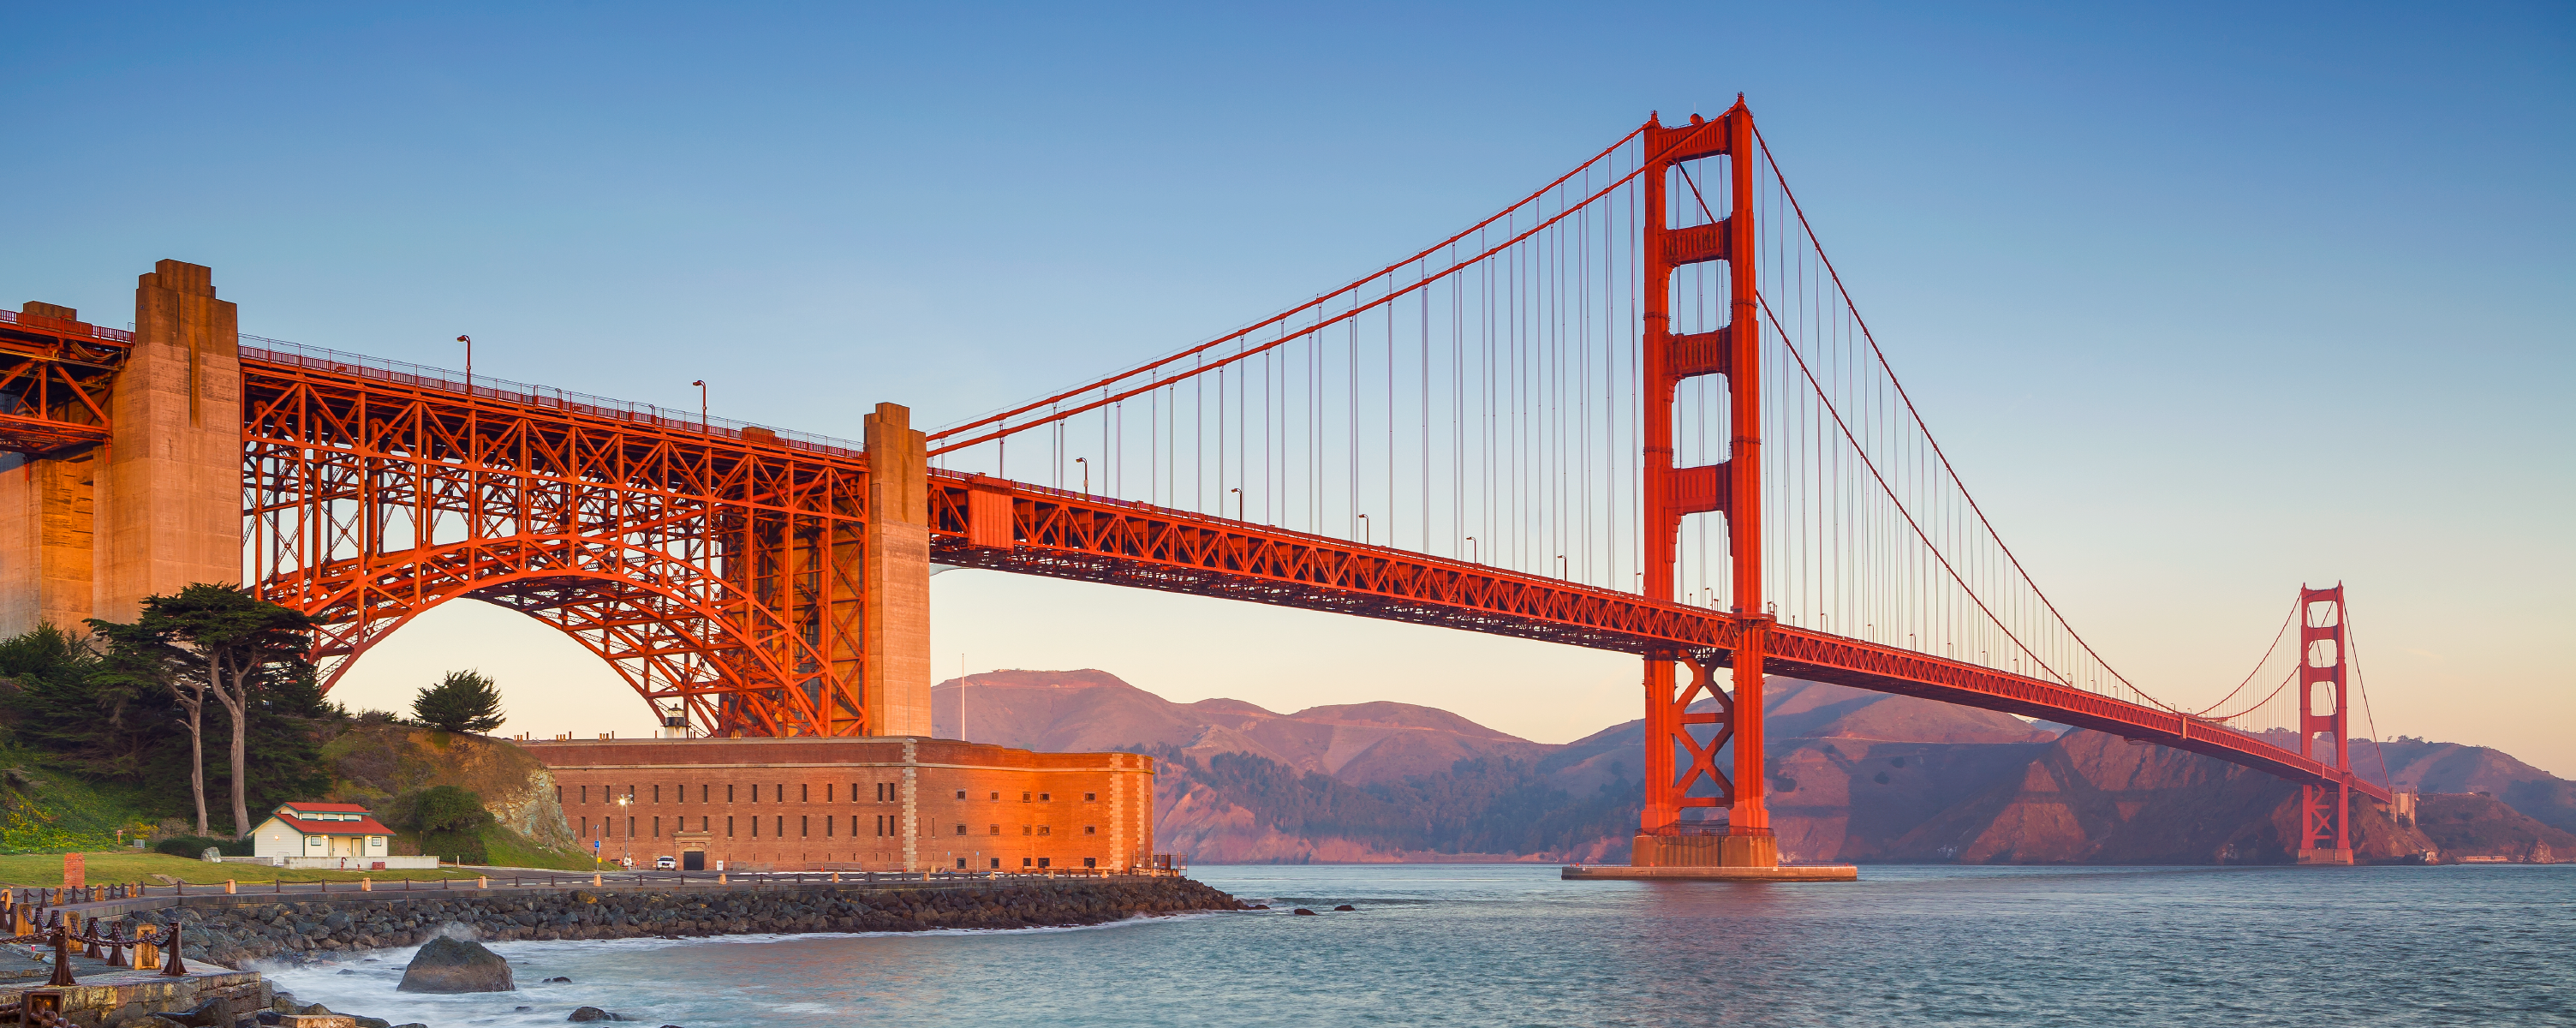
(594, 1014)
(1346, 906)
(454, 965)
(1303, 912)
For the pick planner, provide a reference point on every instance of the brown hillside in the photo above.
(1072, 711)
(2477, 824)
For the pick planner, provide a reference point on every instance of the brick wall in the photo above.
(879, 803)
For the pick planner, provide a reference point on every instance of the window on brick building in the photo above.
(781, 794)
(558, 795)
(702, 793)
(1044, 830)
(585, 794)
(997, 829)
(1090, 797)
(1042, 861)
(702, 824)
(585, 828)
(728, 794)
(961, 794)
(961, 829)
(827, 792)
(1091, 829)
(1028, 830)
(804, 827)
(657, 794)
(755, 794)
(804, 793)
(630, 828)
(782, 826)
(1091, 861)
(1024, 861)
(827, 826)
(997, 796)
(1046, 797)
(728, 827)
(1024, 797)
(755, 826)
(657, 828)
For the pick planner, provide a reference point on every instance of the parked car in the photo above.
(664, 863)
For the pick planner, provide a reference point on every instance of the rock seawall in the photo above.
(231, 934)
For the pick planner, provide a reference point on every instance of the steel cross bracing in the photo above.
(1098, 539)
(716, 569)
(55, 374)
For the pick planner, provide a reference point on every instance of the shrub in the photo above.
(194, 846)
(449, 820)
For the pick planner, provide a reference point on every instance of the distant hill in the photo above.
(1853, 775)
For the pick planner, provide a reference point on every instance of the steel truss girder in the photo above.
(708, 568)
(1096, 539)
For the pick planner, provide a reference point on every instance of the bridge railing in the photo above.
(421, 376)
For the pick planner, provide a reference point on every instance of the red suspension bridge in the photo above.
(1636, 410)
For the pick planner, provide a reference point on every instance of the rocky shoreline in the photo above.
(249, 931)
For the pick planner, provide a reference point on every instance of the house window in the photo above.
(755, 793)
(585, 828)
(558, 795)
(997, 797)
(702, 825)
(1090, 797)
(997, 863)
(702, 793)
(961, 863)
(1024, 861)
(781, 794)
(827, 792)
(630, 828)
(782, 826)
(585, 794)
(827, 825)
(1042, 861)
(657, 794)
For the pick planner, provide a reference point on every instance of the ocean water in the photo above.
(1493, 945)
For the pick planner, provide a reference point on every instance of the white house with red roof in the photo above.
(328, 835)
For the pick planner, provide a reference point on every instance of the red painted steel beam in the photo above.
(1096, 539)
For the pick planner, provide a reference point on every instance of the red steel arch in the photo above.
(715, 567)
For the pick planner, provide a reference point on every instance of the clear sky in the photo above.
(2209, 300)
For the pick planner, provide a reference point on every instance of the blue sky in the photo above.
(2208, 300)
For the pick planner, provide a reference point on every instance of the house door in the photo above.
(693, 860)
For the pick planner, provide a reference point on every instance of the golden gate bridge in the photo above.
(1635, 410)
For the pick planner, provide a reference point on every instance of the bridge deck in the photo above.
(1097, 539)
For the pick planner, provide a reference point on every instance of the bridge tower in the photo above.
(1732, 487)
(2324, 835)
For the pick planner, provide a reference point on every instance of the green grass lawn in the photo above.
(30, 870)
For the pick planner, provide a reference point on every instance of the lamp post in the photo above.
(1086, 474)
(1364, 530)
(1472, 554)
(1238, 503)
(469, 363)
(625, 803)
(702, 407)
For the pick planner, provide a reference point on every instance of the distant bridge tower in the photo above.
(2324, 835)
(1732, 487)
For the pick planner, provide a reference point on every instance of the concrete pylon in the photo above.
(169, 494)
(895, 680)
(46, 506)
